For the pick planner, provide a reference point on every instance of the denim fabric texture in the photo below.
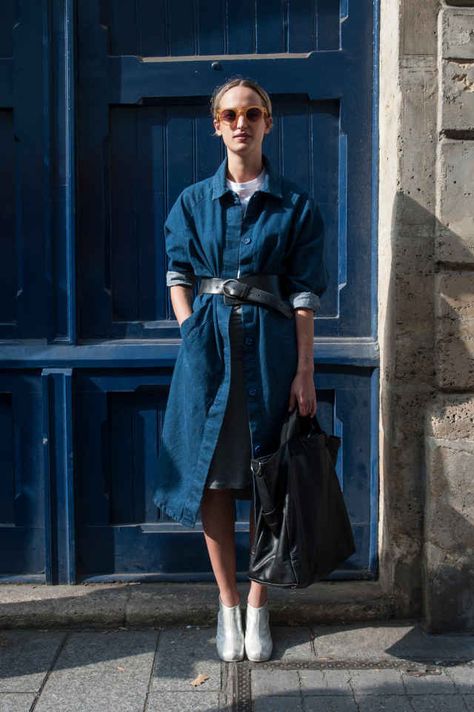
(207, 235)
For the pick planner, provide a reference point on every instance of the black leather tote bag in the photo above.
(302, 529)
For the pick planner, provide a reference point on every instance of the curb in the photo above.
(105, 605)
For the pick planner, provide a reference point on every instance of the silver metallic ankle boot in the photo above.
(230, 635)
(258, 637)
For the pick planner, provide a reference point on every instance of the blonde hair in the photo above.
(220, 90)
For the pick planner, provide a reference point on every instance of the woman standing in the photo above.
(246, 355)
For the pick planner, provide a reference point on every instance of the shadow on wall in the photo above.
(426, 379)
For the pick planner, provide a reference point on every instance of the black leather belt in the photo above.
(254, 288)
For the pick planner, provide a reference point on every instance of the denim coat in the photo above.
(208, 236)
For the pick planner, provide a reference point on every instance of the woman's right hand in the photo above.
(181, 299)
(183, 320)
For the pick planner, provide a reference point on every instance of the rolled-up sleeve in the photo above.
(178, 234)
(306, 276)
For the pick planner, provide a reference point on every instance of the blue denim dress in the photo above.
(207, 235)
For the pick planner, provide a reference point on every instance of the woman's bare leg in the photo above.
(258, 592)
(217, 516)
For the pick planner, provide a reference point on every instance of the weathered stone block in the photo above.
(454, 308)
(414, 359)
(417, 144)
(455, 225)
(455, 362)
(457, 96)
(451, 417)
(417, 17)
(412, 262)
(449, 515)
(457, 32)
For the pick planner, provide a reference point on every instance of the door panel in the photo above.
(24, 178)
(117, 440)
(22, 480)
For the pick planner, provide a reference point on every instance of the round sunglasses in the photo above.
(251, 113)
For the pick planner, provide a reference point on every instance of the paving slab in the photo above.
(277, 704)
(292, 644)
(432, 682)
(462, 677)
(383, 683)
(96, 693)
(437, 703)
(330, 704)
(160, 701)
(418, 645)
(182, 655)
(389, 703)
(100, 670)
(94, 653)
(16, 701)
(26, 657)
(358, 641)
(380, 642)
(275, 683)
(326, 682)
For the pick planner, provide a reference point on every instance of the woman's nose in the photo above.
(241, 121)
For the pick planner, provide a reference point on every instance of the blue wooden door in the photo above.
(136, 127)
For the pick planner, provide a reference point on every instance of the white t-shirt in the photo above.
(245, 191)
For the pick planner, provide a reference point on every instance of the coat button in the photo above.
(249, 340)
(252, 391)
(258, 448)
(246, 240)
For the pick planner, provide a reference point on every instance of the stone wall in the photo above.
(426, 310)
(449, 516)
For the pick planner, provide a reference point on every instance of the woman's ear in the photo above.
(217, 127)
(269, 124)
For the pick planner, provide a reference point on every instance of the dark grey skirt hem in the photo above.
(230, 465)
(236, 492)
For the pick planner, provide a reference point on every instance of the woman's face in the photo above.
(243, 137)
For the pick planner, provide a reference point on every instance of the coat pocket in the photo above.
(197, 318)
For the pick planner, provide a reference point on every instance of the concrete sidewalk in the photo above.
(360, 667)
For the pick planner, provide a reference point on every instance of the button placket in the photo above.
(231, 256)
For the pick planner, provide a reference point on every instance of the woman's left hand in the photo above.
(303, 393)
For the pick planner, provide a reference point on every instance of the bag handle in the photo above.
(290, 426)
(296, 424)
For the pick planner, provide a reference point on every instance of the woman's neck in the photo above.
(243, 168)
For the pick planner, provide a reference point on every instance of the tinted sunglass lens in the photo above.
(228, 115)
(254, 114)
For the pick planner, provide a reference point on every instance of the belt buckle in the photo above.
(235, 281)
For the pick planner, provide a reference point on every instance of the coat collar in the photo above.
(271, 182)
